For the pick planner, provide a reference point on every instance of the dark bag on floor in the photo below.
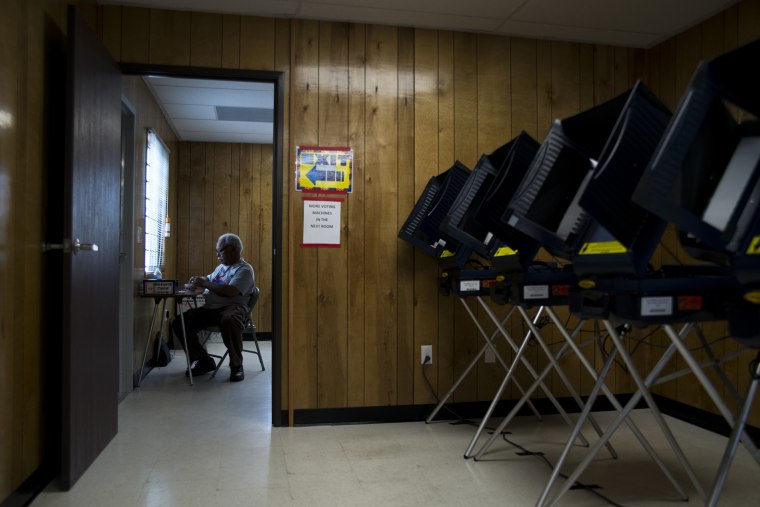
(163, 355)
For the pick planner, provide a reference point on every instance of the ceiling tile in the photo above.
(575, 34)
(189, 111)
(216, 137)
(642, 16)
(248, 127)
(214, 96)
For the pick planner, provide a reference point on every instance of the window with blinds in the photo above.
(156, 201)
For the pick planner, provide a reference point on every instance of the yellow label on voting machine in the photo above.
(754, 246)
(504, 251)
(602, 247)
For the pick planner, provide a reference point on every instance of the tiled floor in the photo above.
(212, 445)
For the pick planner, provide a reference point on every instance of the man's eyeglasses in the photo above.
(220, 251)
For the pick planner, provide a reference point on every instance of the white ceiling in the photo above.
(629, 23)
(216, 111)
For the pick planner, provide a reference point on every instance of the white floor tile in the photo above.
(212, 444)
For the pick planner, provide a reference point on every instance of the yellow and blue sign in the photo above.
(322, 169)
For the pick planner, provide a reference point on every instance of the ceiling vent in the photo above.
(251, 114)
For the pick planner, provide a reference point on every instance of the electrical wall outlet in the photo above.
(426, 351)
(490, 356)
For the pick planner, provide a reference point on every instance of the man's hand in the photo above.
(199, 281)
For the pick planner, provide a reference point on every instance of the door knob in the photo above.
(69, 246)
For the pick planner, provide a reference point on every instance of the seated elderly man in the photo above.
(227, 290)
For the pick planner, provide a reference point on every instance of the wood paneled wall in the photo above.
(223, 188)
(148, 115)
(409, 102)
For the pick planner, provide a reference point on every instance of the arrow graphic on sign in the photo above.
(316, 175)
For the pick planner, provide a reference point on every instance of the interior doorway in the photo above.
(277, 81)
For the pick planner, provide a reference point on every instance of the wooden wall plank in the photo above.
(169, 37)
(494, 94)
(407, 366)
(304, 123)
(493, 130)
(248, 193)
(426, 165)
(180, 223)
(333, 305)
(465, 343)
(205, 40)
(381, 356)
(748, 21)
(235, 188)
(230, 41)
(111, 32)
(257, 43)
(465, 97)
(264, 239)
(135, 35)
(356, 216)
(197, 209)
(604, 73)
(544, 91)
(442, 367)
(222, 207)
(207, 248)
(565, 79)
(524, 87)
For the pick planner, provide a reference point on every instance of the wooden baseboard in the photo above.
(30, 488)
(475, 410)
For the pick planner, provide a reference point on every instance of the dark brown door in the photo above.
(90, 357)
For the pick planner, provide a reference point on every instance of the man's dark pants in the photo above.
(229, 319)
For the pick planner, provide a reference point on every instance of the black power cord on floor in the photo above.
(542, 457)
(425, 363)
(524, 451)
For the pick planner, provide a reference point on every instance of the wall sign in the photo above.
(322, 169)
(321, 223)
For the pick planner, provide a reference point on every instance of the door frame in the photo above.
(278, 80)
(126, 247)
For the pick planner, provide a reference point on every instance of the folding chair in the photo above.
(249, 327)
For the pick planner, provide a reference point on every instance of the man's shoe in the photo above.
(236, 374)
(202, 366)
